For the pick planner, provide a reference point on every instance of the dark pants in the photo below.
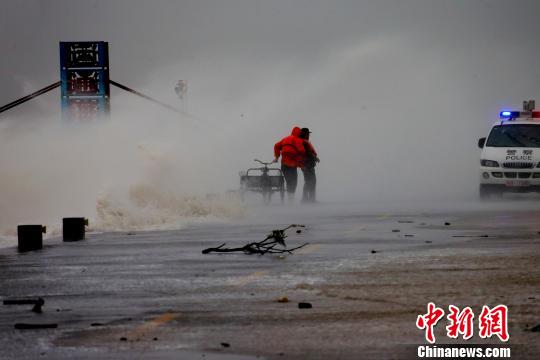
(310, 183)
(291, 178)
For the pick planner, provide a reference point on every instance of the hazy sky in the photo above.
(145, 35)
(396, 92)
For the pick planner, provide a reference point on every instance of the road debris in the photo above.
(535, 328)
(38, 303)
(470, 236)
(283, 299)
(396, 230)
(304, 305)
(26, 326)
(225, 345)
(266, 246)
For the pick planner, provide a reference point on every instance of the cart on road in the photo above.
(264, 180)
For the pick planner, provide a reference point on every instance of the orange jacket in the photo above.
(291, 149)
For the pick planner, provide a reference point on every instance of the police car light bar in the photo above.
(519, 114)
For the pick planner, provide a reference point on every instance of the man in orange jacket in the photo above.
(292, 151)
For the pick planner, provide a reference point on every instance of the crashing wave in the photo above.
(150, 208)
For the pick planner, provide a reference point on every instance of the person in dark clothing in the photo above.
(292, 152)
(308, 168)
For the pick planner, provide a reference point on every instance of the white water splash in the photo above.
(146, 207)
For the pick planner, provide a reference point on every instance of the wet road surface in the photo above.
(367, 275)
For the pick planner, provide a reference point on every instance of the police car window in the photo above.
(514, 136)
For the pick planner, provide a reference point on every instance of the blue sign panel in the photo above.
(84, 75)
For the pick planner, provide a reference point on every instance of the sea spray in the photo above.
(146, 207)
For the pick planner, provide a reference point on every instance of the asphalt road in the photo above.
(368, 275)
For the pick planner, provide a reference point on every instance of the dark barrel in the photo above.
(30, 237)
(73, 229)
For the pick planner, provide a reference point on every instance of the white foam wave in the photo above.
(148, 208)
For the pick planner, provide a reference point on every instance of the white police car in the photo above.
(510, 158)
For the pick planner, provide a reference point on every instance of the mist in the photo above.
(396, 94)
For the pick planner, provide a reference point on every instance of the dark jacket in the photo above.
(310, 158)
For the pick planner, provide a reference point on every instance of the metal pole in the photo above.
(29, 97)
(123, 87)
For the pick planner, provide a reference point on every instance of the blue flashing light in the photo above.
(509, 114)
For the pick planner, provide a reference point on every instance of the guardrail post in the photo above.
(30, 237)
(73, 229)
